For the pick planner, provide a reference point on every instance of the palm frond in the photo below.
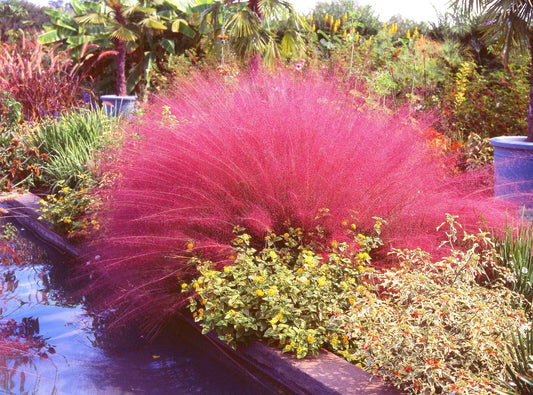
(152, 23)
(92, 18)
(122, 33)
(275, 9)
(243, 23)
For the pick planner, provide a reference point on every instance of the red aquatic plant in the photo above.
(265, 153)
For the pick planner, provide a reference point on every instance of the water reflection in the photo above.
(50, 344)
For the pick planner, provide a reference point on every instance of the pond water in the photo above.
(62, 348)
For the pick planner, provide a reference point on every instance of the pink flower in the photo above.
(298, 66)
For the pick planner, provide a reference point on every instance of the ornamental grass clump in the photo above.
(265, 153)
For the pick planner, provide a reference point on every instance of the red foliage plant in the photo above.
(265, 153)
(44, 80)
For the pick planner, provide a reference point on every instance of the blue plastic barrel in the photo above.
(513, 169)
(118, 105)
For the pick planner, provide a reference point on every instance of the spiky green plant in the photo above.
(516, 251)
(520, 366)
(71, 142)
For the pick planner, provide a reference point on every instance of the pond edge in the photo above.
(326, 374)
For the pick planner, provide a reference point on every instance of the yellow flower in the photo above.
(360, 268)
(288, 347)
(190, 245)
(345, 17)
(299, 271)
(311, 19)
(310, 339)
(408, 35)
(326, 17)
(334, 243)
(227, 269)
(321, 282)
(285, 235)
(258, 279)
(271, 291)
(308, 259)
(351, 300)
(184, 285)
(273, 255)
(314, 27)
(361, 288)
(259, 293)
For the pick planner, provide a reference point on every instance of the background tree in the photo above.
(267, 29)
(137, 34)
(16, 16)
(508, 23)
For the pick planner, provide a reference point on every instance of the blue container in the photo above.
(513, 169)
(118, 105)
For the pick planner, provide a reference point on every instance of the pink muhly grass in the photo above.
(265, 153)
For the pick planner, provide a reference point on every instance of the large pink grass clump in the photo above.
(266, 153)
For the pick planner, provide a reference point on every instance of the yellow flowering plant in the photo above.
(286, 293)
(72, 211)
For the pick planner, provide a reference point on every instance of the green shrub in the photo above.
(20, 163)
(438, 327)
(488, 103)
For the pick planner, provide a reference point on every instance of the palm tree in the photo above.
(255, 29)
(123, 24)
(509, 24)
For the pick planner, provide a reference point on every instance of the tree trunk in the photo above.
(120, 62)
(254, 6)
(120, 46)
(530, 110)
